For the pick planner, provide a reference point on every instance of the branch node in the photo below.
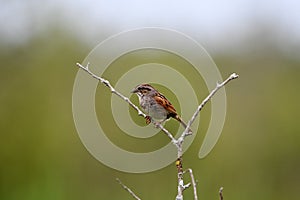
(87, 66)
(106, 82)
(234, 75)
(186, 186)
(221, 193)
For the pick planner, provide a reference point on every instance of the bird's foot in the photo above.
(148, 119)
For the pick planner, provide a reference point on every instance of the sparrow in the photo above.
(156, 105)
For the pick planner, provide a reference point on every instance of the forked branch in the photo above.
(177, 142)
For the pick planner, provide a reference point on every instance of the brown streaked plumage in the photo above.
(155, 104)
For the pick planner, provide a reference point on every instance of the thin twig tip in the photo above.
(221, 189)
(234, 75)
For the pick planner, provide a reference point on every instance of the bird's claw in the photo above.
(148, 120)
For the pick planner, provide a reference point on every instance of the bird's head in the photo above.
(143, 89)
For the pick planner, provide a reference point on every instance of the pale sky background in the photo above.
(213, 23)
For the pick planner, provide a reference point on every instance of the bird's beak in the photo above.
(134, 90)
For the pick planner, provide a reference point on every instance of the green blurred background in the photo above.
(41, 155)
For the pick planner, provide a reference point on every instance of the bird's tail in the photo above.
(183, 123)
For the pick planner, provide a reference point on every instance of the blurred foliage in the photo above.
(42, 157)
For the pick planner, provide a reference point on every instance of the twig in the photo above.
(185, 133)
(179, 142)
(221, 193)
(190, 122)
(193, 182)
(128, 190)
(114, 91)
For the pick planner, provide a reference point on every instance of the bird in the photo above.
(156, 105)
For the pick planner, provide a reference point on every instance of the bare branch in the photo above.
(186, 132)
(114, 91)
(193, 182)
(221, 193)
(178, 143)
(159, 125)
(190, 122)
(128, 190)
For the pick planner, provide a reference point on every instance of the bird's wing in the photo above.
(163, 101)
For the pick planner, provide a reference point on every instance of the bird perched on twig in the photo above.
(156, 105)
